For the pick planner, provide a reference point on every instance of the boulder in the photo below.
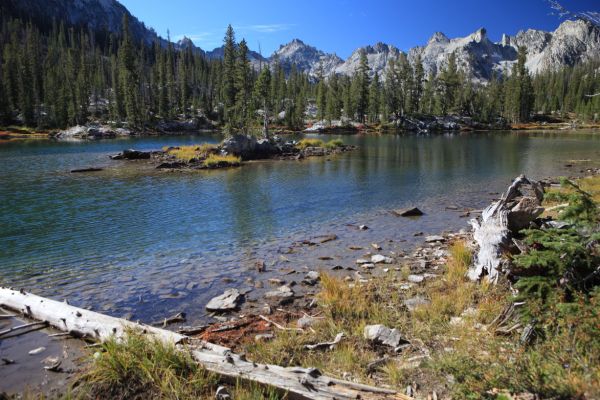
(240, 145)
(228, 301)
(130, 154)
(381, 334)
(408, 212)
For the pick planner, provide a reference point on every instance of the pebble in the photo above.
(37, 351)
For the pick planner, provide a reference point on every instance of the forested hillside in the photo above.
(65, 75)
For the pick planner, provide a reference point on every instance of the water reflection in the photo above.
(61, 231)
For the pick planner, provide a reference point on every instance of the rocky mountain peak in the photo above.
(438, 37)
(479, 35)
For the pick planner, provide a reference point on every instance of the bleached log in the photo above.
(492, 233)
(77, 321)
(299, 383)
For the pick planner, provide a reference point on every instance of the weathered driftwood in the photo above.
(493, 234)
(299, 383)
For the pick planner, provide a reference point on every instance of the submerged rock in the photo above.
(408, 212)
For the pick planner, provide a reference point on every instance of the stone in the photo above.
(229, 300)
(311, 278)
(282, 292)
(375, 246)
(363, 227)
(381, 334)
(37, 351)
(434, 239)
(414, 302)
(415, 278)
(408, 212)
(379, 259)
(368, 266)
(264, 337)
(305, 322)
(362, 261)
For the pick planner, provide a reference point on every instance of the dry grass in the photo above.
(187, 153)
(591, 185)
(215, 160)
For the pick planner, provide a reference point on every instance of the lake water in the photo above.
(148, 242)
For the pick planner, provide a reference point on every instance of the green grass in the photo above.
(304, 143)
(332, 144)
(141, 368)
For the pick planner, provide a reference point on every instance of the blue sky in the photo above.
(340, 26)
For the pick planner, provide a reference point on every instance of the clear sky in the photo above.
(340, 26)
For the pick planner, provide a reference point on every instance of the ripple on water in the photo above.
(123, 239)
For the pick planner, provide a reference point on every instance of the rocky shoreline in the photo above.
(232, 152)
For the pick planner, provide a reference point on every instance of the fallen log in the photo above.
(298, 383)
(493, 233)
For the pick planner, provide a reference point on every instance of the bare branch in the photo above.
(592, 95)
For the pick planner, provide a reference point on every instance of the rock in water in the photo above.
(381, 334)
(408, 212)
(229, 300)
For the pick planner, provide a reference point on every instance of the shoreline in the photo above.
(23, 133)
(245, 325)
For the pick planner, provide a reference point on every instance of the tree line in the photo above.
(65, 76)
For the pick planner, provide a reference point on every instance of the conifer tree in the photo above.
(128, 76)
(374, 98)
(228, 75)
(262, 96)
(321, 94)
(362, 87)
(243, 87)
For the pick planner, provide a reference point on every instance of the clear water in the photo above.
(137, 240)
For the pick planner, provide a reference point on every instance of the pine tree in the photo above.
(228, 77)
(334, 105)
(361, 88)
(374, 96)
(128, 76)
(262, 96)
(321, 94)
(243, 87)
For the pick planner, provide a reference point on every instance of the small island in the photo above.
(233, 151)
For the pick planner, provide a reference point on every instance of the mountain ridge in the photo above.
(573, 41)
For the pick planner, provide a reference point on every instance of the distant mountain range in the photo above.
(572, 42)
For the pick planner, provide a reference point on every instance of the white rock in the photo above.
(383, 335)
(229, 300)
(37, 351)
